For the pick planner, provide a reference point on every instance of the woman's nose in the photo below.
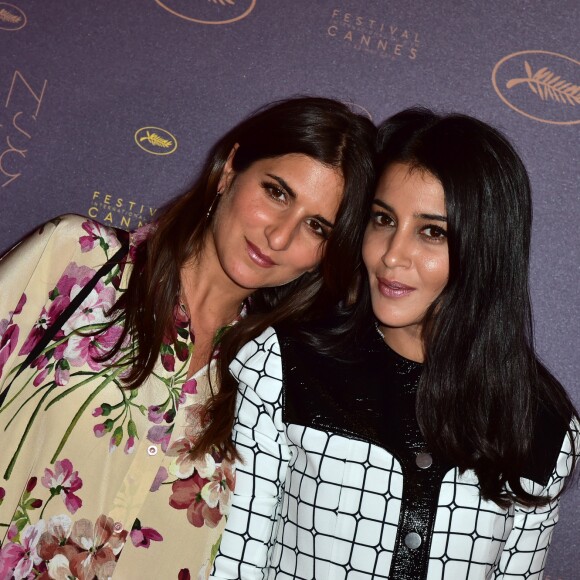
(397, 251)
(280, 234)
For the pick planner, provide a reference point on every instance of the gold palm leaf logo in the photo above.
(12, 17)
(539, 84)
(155, 140)
(211, 12)
(6, 16)
(548, 86)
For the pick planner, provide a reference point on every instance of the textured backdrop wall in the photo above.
(107, 109)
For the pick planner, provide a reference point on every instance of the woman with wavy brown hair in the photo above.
(108, 341)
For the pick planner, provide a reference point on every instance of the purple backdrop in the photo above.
(107, 109)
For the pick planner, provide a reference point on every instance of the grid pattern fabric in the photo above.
(311, 504)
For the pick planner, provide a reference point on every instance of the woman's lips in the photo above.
(257, 257)
(394, 289)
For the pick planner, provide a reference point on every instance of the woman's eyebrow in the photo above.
(424, 216)
(432, 216)
(292, 194)
(288, 189)
(383, 204)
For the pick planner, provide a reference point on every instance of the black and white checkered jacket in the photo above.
(338, 484)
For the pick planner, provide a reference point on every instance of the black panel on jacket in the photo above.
(358, 400)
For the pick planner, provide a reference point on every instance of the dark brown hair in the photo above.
(323, 129)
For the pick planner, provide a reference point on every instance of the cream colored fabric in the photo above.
(80, 454)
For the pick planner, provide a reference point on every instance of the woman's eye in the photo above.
(274, 191)
(317, 228)
(434, 233)
(381, 219)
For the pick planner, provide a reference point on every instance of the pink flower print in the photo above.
(96, 235)
(64, 481)
(74, 275)
(2, 494)
(19, 306)
(143, 536)
(138, 237)
(184, 574)
(9, 333)
(187, 495)
(160, 434)
(100, 429)
(8, 341)
(4, 324)
(18, 560)
(93, 308)
(58, 566)
(41, 364)
(62, 372)
(39, 328)
(31, 484)
(168, 362)
(39, 378)
(12, 532)
(161, 476)
(86, 349)
(189, 387)
(155, 414)
(54, 548)
(183, 466)
(130, 445)
(98, 547)
(217, 492)
(116, 439)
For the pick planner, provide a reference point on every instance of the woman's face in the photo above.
(405, 253)
(273, 218)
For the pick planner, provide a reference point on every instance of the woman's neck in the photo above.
(405, 341)
(212, 299)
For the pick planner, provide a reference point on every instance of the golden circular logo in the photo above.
(11, 17)
(210, 12)
(155, 140)
(541, 85)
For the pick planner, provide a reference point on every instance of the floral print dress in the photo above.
(97, 481)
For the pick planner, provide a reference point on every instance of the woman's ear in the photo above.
(228, 172)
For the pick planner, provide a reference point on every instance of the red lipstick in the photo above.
(258, 257)
(394, 289)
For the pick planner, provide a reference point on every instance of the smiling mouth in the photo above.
(257, 257)
(394, 289)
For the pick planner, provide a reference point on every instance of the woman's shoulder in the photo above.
(69, 233)
(86, 232)
(258, 361)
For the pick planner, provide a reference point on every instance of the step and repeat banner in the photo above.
(108, 108)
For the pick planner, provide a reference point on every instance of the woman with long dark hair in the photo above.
(435, 444)
(106, 341)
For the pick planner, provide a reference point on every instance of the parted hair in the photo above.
(325, 130)
(483, 384)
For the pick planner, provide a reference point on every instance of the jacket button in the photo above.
(152, 449)
(424, 460)
(413, 540)
(118, 527)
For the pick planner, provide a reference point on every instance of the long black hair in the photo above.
(483, 384)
